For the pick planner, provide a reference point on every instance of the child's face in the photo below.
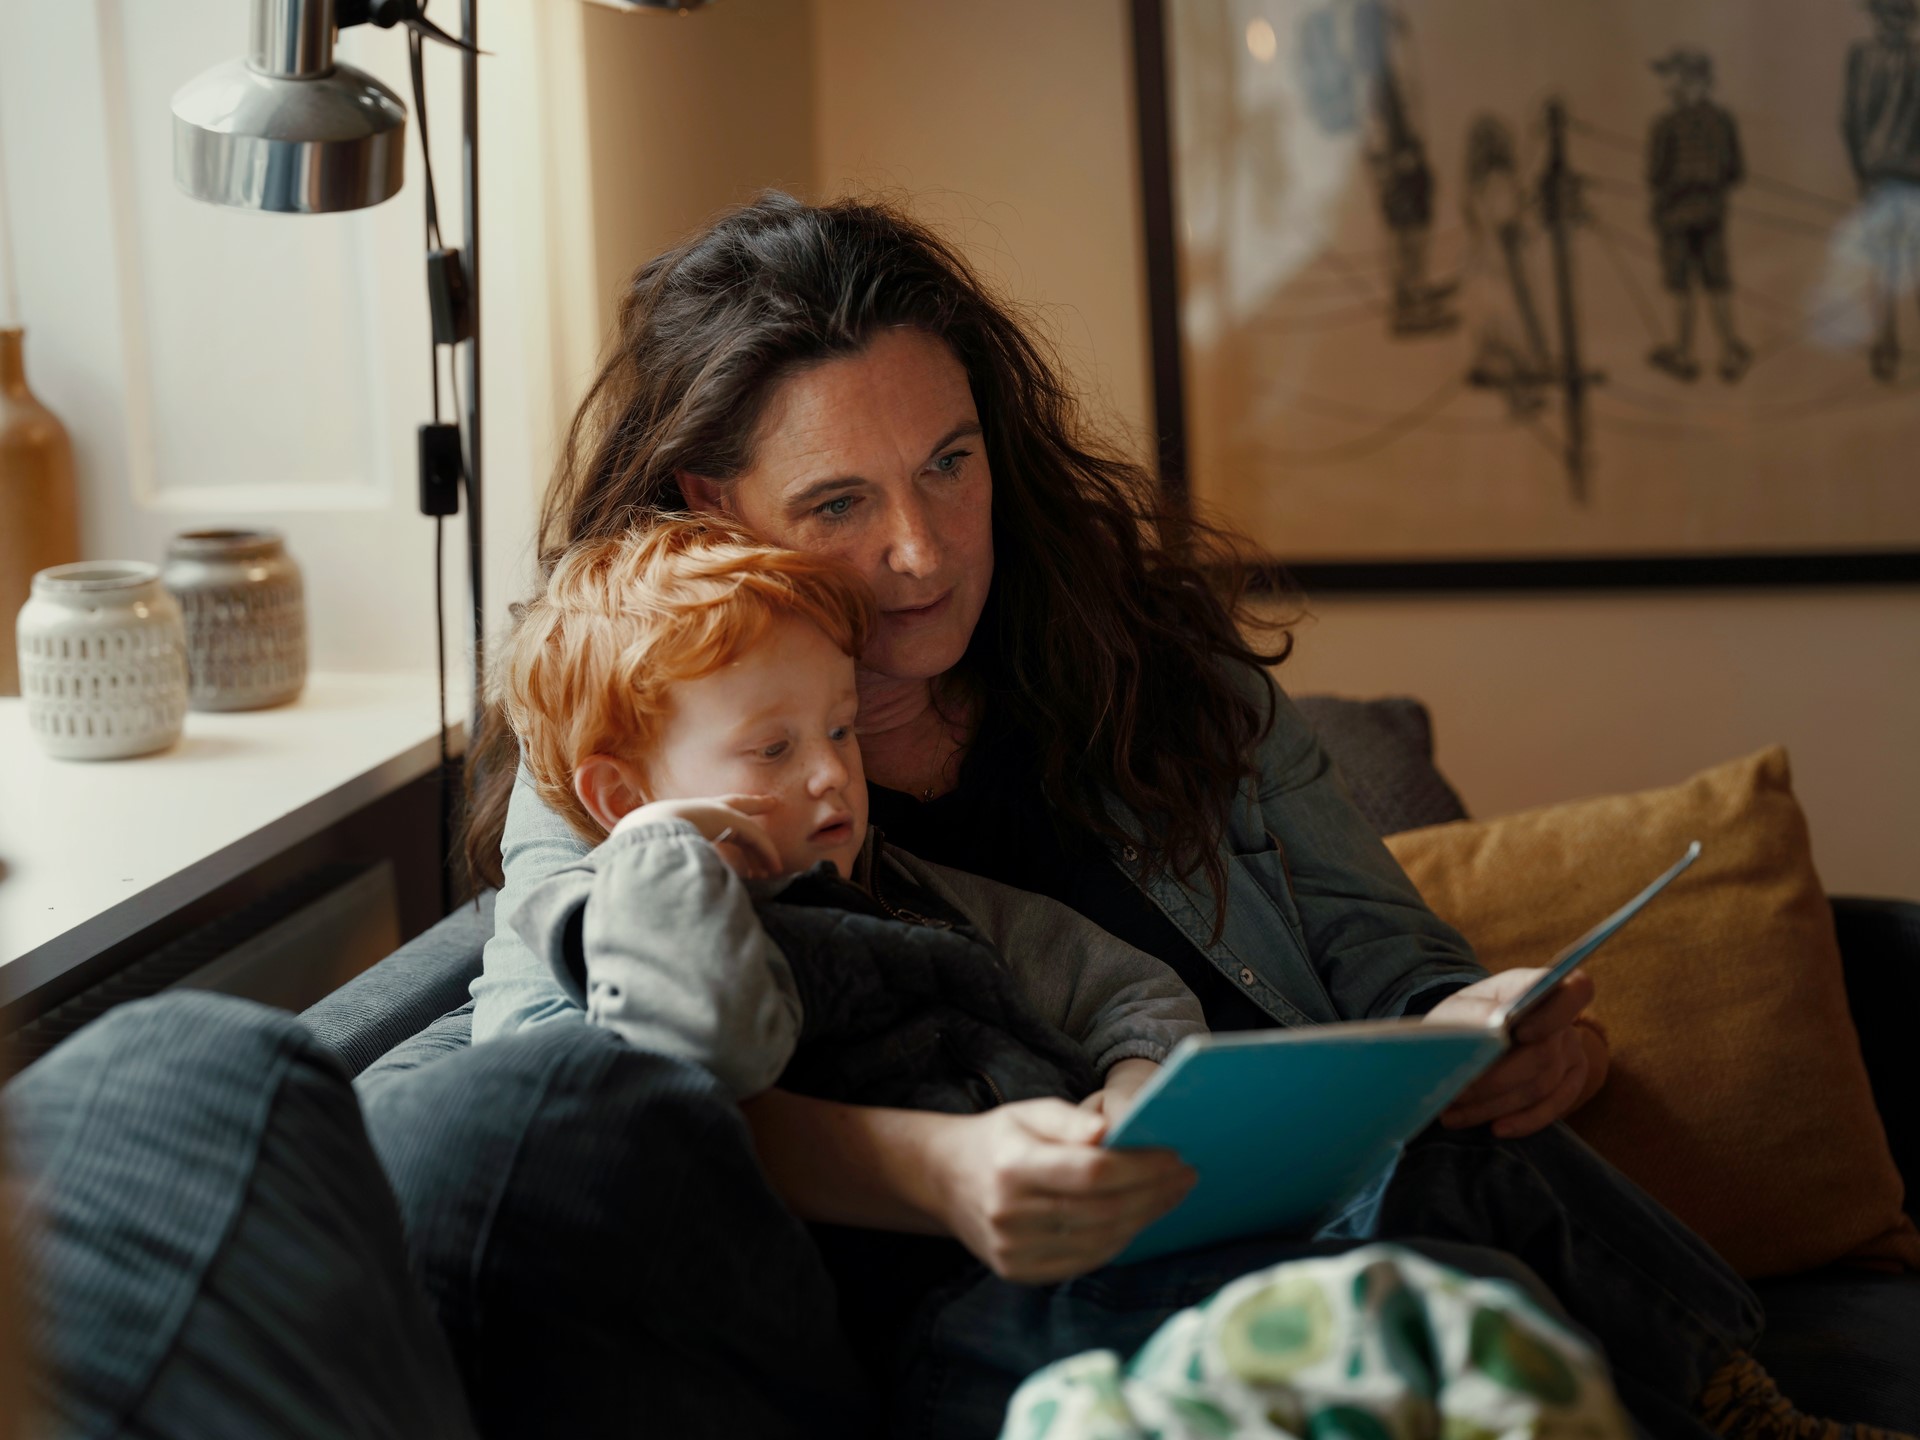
(776, 722)
(1686, 87)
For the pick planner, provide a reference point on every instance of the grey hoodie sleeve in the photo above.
(1118, 1002)
(658, 939)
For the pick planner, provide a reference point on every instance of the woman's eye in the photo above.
(948, 463)
(773, 751)
(840, 734)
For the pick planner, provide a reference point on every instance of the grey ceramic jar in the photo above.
(246, 616)
(102, 661)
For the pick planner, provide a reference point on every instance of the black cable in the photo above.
(416, 65)
(417, 69)
(446, 759)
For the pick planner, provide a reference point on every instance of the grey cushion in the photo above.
(404, 993)
(1384, 751)
(214, 1250)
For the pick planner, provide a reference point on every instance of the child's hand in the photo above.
(725, 820)
(1124, 1082)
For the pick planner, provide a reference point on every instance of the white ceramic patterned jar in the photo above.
(246, 615)
(103, 661)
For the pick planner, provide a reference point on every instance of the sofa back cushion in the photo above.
(1383, 749)
(1737, 1095)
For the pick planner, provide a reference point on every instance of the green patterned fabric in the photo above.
(1377, 1344)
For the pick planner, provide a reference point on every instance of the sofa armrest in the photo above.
(1880, 952)
(407, 991)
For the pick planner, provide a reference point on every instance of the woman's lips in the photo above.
(919, 614)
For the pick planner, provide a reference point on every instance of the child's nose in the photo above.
(829, 772)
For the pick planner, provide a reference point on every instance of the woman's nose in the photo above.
(913, 547)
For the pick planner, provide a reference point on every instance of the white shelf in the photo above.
(93, 852)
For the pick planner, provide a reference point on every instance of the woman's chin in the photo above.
(912, 657)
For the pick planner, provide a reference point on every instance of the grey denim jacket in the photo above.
(1321, 922)
(677, 961)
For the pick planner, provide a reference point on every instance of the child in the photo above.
(1693, 160)
(685, 696)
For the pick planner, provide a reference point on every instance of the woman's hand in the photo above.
(1028, 1189)
(1124, 1081)
(1544, 1076)
(727, 821)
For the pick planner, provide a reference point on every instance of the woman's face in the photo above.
(876, 458)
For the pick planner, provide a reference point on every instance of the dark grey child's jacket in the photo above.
(929, 989)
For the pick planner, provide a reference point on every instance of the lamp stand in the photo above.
(470, 362)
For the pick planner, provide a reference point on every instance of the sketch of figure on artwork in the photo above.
(1881, 124)
(1693, 160)
(1353, 78)
(1509, 342)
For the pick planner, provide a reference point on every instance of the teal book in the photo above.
(1285, 1126)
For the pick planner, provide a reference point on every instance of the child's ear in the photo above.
(608, 787)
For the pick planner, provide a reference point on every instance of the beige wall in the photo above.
(1540, 699)
(1012, 122)
(688, 114)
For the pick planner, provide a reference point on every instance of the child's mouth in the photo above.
(835, 832)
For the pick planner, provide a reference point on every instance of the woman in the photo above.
(1058, 697)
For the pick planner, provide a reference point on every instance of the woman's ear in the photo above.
(608, 787)
(701, 493)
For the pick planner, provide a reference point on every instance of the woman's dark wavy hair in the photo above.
(1099, 651)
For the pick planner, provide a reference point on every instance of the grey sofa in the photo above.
(1844, 1343)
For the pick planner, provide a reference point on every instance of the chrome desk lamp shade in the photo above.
(289, 128)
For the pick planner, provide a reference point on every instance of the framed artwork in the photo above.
(1493, 292)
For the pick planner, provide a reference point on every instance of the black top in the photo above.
(996, 823)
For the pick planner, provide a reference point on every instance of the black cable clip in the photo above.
(441, 467)
(448, 298)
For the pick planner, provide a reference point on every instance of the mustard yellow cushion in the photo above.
(1737, 1095)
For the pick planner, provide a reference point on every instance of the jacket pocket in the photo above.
(1264, 929)
(1267, 869)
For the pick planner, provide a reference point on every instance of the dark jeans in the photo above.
(596, 1237)
(1546, 1213)
(601, 1246)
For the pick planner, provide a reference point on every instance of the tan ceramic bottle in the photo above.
(39, 511)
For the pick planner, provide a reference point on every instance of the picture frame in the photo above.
(1699, 430)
